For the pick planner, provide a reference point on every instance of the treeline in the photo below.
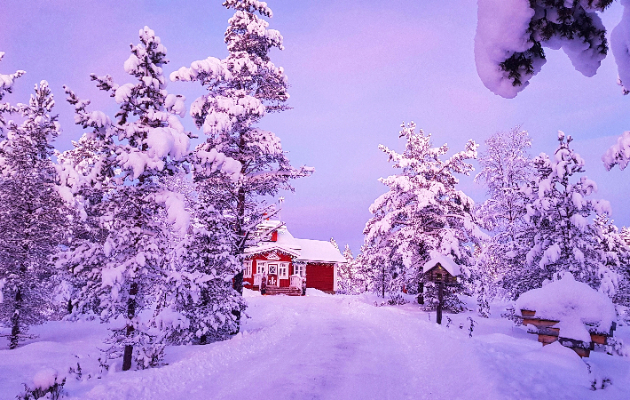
(538, 222)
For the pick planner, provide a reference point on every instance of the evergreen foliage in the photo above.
(512, 34)
(422, 214)
(558, 236)
(242, 88)
(32, 215)
(117, 172)
(505, 168)
(6, 86)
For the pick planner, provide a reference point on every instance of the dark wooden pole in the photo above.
(440, 302)
(421, 293)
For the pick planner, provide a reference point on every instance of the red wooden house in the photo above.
(286, 263)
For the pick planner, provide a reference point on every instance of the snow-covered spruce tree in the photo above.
(558, 236)
(344, 272)
(511, 35)
(615, 254)
(6, 86)
(32, 216)
(80, 172)
(361, 273)
(122, 178)
(422, 214)
(619, 155)
(199, 283)
(242, 88)
(505, 167)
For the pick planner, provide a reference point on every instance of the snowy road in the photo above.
(318, 348)
(343, 347)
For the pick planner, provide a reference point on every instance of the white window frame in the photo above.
(247, 273)
(299, 270)
(261, 267)
(283, 270)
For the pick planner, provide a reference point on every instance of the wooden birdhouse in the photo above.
(441, 269)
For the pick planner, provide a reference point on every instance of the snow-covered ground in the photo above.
(331, 347)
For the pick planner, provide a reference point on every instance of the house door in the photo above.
(272, 275)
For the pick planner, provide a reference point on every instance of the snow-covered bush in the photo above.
(47, 385)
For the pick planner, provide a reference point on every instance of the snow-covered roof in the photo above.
(302, 249)
(446, 263)
(573, 304)
(319, 250)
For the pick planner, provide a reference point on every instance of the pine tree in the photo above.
(344, 272)
(198, 287)
(6, 86)
(242, 88)
(422, 214)
(123, 178)
(32, 216)
(558, 236)
(615, 253)
(505, 167)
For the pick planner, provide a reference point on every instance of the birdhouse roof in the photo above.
(447, 263)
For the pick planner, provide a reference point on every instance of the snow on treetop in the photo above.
(6, 81)
(573, 304)
(446, 263)
(249, 6)
(619, 153)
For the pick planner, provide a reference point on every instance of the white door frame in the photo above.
(276, 274)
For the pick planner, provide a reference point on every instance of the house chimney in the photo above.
(274, 236)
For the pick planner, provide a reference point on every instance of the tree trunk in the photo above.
(383, 284)
(421, 293)
(440, 302)
(15, 321)
(131, 312)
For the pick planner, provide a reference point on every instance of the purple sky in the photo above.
(357, 69)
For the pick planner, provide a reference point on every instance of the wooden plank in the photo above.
(539, 323)
(546, 339)
(582, 352)
(599, 339)
(528, 313)
(546, 331)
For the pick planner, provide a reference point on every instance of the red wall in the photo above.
(318, 276)
(321, 277)
(263, 257)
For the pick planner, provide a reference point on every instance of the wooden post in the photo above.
(421, 293)
(440, 302)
